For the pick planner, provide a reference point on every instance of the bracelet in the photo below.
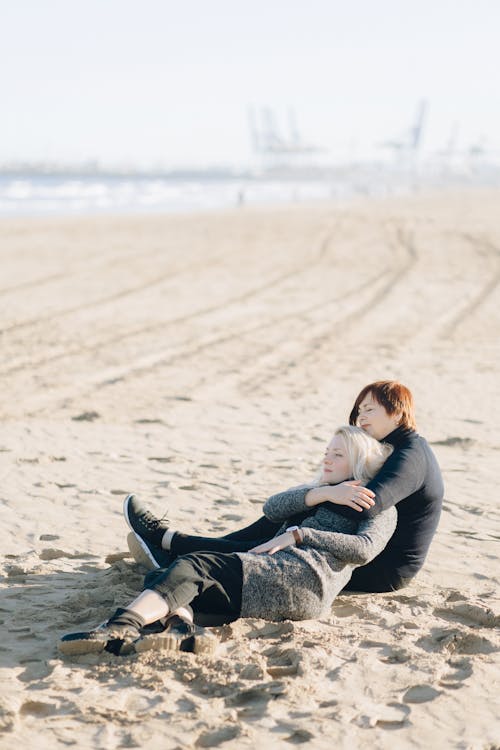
(296, 534)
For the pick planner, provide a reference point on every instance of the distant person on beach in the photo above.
(295, 575)
(410, 480)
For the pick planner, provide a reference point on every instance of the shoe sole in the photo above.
(139, 553)
(125, 510)
(140, 548)
(78, 647)
(201, 642)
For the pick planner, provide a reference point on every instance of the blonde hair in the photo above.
(366, 455)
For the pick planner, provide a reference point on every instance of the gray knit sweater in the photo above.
(300, 583)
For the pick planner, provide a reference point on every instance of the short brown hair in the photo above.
(393, 396)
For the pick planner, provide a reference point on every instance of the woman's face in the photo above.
(336, 466)
(373, 418)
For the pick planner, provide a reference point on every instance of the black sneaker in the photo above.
(143, 522)
(178, 635)
(113, 638)
(148, 555)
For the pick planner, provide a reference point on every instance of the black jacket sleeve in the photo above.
(402, 474)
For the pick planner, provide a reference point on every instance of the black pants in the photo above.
(210, 582)
(241, 540)
(375, 578)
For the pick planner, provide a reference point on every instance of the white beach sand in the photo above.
(211, 356)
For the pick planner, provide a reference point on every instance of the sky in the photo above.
(143, 82)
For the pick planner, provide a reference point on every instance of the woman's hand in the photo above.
(353, 495)
(349, 493)
(275, 544)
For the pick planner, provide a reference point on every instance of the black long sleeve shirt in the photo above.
(411, 480)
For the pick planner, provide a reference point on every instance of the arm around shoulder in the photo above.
(401, 475)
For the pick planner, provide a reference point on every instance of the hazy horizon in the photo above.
(128, 83)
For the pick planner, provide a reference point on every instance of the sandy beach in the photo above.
(202, 361)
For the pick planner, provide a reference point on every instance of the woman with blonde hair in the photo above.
(295, 575)
(410, 480)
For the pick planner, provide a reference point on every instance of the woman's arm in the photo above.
(280, 507)
(283, 505)
(277, 543)
(359, 548)
(402, 474)
(349, 493)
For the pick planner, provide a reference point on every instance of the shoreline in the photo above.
(188, 201)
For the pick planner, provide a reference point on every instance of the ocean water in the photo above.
(27, 194)
(51, 195)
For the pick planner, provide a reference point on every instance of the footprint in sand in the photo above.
(299, 736)
(272, 630)
(393, 715)
(38, 709)
(455, 596)
(451, 442)
(469, 614)
(251, 672)
(369, 643)
(403, 599)
(216, 737)
(466, 534)
(86, 416)
(410, 625)
(388, 716)
(115, 556)
(421, 694)
(18, 571)
(256, 697)
(7, 718)
(456, 641)
(461, 669)
(51, 553)
(347, 610)
(396, 655)
(282, 662)
(470, 643)
(35, 671)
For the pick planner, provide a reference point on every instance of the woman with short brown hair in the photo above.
(410, 479)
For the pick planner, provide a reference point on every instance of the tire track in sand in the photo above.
(157, 360)
(483, 294)
(150, 363)
(312, 348)
(162, 325)
(137, 289)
